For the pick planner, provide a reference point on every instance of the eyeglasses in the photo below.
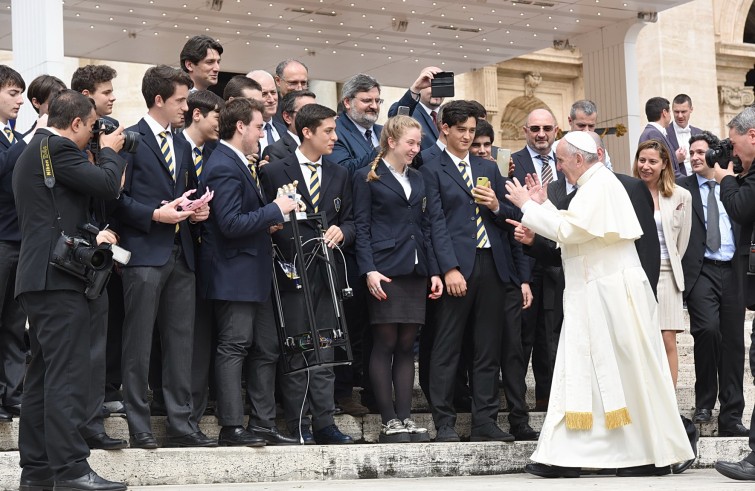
(296, 84)
(537, 129)
(369, 102)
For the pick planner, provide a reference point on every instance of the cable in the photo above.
(303, 401)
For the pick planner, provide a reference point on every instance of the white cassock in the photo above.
(612, 402)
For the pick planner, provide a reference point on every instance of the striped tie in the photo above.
(9, 134)
(167, 155)
(547, 172)
(198, 160)
(255, 177)
(314, 186)
(482, 235)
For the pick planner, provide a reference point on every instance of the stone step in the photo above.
(329, 462)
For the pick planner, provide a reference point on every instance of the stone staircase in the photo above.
(367, 459)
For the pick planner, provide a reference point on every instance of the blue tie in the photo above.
(269, 133)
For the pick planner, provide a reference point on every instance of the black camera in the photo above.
(722, 154)
(81, 257)
(102, 125)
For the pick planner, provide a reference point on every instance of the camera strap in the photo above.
(49, 174)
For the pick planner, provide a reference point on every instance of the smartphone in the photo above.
(403, 111)
(442, 85)
(483, 182)
(502, 160)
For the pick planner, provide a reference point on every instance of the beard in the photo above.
(363, 119)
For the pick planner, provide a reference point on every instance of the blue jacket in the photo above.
(352, 150)
(9, 230)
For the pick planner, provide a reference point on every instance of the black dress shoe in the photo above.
(237, 436)
(446, 433)
(5, 416)
(14, 409)
(42, 485)
(143, 440)
(304, 435)
(89, 482)
(693, 434)
(331, 435)
(490, 432)
(643, 471)
(702, 415)
(741, 471)
(272, 436)
(551, 471)
(737, 430)
(104, 442)
(196, 439)
(524, 432)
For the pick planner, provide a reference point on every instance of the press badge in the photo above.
(337, 204)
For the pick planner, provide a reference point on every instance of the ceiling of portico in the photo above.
(335, 38)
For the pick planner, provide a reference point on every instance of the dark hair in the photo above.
(682, 98)
(195, 50)
(480, 111)
(283, 64)
(66, 106)
(288, 103)
(236, 85)
(90, 76)
(654, 107)
(43, 88)
(205, 101)
(706, 136)
(241, 109)
(161, 80)
(484, 129)
(456, 112)
(667, 178)
(311, 116)
(11, 78)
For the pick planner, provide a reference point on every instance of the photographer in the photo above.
(57, 381)
(738, 198)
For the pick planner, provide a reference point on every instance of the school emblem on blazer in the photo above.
(424, 203)
(337, 204)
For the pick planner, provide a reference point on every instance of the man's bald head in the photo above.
(540, 130)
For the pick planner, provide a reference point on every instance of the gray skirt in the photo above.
(670, 301)
(405, 303)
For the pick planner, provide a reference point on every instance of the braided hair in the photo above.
(394, 128)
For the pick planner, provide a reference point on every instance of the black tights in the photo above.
(392, 368)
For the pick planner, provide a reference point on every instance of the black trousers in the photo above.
(12, 327)
(163, 294)
(203, 358)
(538, 336)
(57, 386)
(716, 313)
(94, 423)
(114, 345)
(481, 309)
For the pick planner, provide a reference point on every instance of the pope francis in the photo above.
(613, 403)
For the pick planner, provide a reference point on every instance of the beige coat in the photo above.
(676, 218)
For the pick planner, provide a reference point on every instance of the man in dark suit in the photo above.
(235, 274)
(483, 270)
(658, 113)
(51, 446)
(291, 104)
(425, 110)
(539, 326)
(158, 282)
(290, 75)
(12, 318)
(325, 188)
(200, 58)
(680, 131)
(738, 196)
(272, 130)
(714, 297)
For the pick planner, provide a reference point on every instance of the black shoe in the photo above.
(693, 436)
(89, 482)
(702, 415)
(143, 440)
(524, 432)
(447, 433)
(737, 430)
(14, 409)
(237, 436)
(5, 416)
(490, 432)
(643, 471)
(42, 485)
(104, 442)
(551, 471)
(272, 436)
(741, 471)
(331, 435)
(304, 435)
(196, 439)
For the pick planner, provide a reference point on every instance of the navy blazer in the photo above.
(207, 149)
(454, 235)
(9, 230)
(427, 154)
(148, 184)
(352, 150)
(235, 260)
(651, 133)
(672, 135)
(429, 129)
(392, 228)
(280, 149)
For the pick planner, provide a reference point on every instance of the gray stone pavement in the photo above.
(707, 479)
